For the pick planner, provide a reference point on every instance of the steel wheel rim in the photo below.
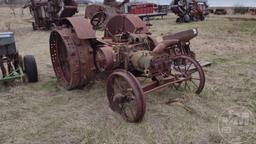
(72, 56)
(188, 68)
(57, 46)
(63, 60)
(128, 103)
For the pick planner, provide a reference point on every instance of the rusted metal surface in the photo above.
(82, 27)
(189, 10)
(125, 95)
(72, 56)
(109, 8)
(129, 52)
(184, 78)
(182, 36)
(104, 58)
(48, 13)
(162, 46)
(100, 14)
(125, 23)
(91, 10)
(99, 19)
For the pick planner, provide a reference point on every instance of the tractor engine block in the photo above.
(133, 51)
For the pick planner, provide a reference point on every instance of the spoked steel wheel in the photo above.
(125, 95)
(190, 72)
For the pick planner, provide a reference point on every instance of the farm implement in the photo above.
(189, 10)
(12, 65)
(100, 14)
(48, 13)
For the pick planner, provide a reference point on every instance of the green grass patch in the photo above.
(220, 60)
(49, 84)
(248, 26)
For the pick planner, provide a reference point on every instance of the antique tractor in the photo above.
(130, 54)
(189, 10)
(48, 13)
(12, 64)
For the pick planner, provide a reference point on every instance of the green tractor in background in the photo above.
(12, 65)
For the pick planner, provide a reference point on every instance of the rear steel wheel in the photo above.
(125, 95)
(72, 63)
(190, 70)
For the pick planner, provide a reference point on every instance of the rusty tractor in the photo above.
(129, 54)
(189, 10)
(48, 13)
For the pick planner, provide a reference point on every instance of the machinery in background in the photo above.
(100, 14)
(189, 10)
(137, 62)
(48, 13)
(12, 65)
(109, 7)
(220, 11)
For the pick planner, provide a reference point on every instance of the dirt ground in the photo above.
(45, 113)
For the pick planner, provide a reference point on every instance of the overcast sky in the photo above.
(250, 3)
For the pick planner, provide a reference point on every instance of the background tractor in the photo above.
(12, 65)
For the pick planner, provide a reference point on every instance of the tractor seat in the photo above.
(183, 36)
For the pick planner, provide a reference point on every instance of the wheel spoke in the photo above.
(132, 112)
(196, 79)
(194, 83)
(186, 84)
(189, 66)
(181, 71)
(120, 85)
(122, 110)
(116, 84)
(185, 66)
(189, 88)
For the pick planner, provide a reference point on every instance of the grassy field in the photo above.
(45, 113)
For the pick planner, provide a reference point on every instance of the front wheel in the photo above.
(125, 95)
(190, 72)
(30, 67)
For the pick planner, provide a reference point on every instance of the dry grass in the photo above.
(47, 114)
